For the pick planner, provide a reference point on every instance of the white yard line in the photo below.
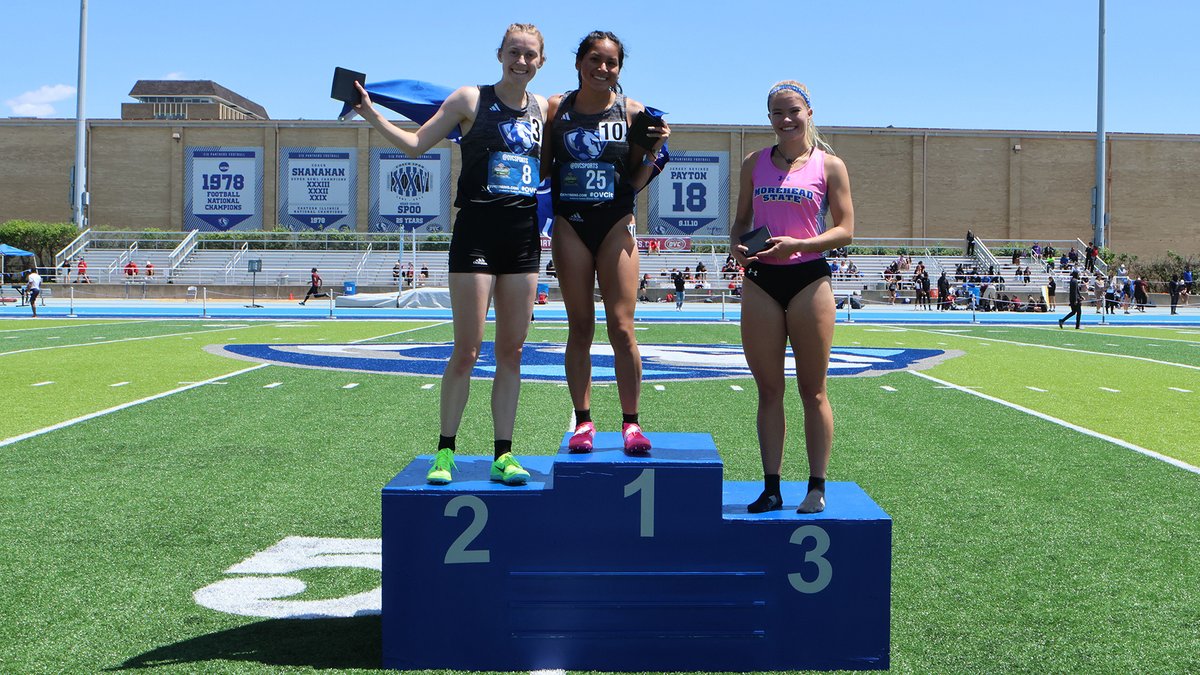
(84, 418)
(1035, 389)
(887, 388)
(1074, 427)
(1111, 391)
(272, 385)
(1182, 391)
(1075, 351)
(350, 386)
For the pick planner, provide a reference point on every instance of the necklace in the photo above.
(776, 151)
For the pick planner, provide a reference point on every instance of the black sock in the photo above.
(446, 442)
(815, 483)
(502, 447)
(582, 416)
(629, 419)
(770, 499)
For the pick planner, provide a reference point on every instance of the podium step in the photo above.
(605, 561)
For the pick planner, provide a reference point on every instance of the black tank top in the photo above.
(591, 157)
(501, 153)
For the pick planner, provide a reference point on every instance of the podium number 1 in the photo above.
(458, 552)
(644, 484)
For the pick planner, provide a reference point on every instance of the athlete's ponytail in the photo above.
(812, 135)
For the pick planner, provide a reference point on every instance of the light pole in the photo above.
(1099, 212)
(79, 189)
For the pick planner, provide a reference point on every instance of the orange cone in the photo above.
(291, 297)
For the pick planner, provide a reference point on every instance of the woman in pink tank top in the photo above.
(788, 189)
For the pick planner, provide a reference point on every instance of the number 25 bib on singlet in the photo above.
(586, 182)
(511, 174)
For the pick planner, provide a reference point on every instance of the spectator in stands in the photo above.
(495, 247)
(960, 275)
(1028, 274)
(644, 289)
(550, 269)
(149, 270)
(852, 270)
(1090, 254)
(396, 270)
(425, 275)
(652, 247)
(970, 243)
(1073, 256)
(791, 297)
(1036, 251)
(1016, 258)
(591, 242)
(131, 269)
(701, 271)
(81, 274)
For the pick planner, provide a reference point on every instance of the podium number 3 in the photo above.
(824, 569)
(458, 552)
(644, 484)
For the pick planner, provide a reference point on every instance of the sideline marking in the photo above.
(41, 384)
(427, 386)
(119, 384)
(272, 385)
(1182, 391)
(84, 418)
(659, 387)
(111, 342)
(1074, 427)
(350, 386)
(735, 387)
(1113, 391)
(1035, 389)
(72, 325)
(1075, 351)
(887, 388)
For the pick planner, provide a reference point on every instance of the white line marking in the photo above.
(272, 385)
(110, 342)
(41, 384)
(119, 384)
(659, 387)
(1182, 391)
(54, 337)
(887, 388)
(1035, 389)
(735, 387)
(1074, 427)
(1114, 391)
(1075, 351)
(84, 418)
(427, 386)
(350, 386)
(75, 325)
(547, 672)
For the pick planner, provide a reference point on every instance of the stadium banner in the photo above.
(223, 189)
(410, 194)
(664, 244)
(318, 189)
(691, 195)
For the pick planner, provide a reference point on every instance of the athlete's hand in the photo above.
(661, 131)
(366, 99)
(781, 247)
(741, 255)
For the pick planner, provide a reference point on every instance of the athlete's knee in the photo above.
(770, 392)
(508, 354)
(621, 337)
(813, 397)
(462, 360)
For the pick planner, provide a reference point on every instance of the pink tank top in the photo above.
(790, 204)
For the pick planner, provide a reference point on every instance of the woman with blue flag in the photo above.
(597, 171)
(495, 250)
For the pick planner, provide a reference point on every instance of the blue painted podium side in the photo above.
(609, 562)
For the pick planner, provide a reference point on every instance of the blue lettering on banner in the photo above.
(545, 362)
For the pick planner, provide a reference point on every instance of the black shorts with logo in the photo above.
(495, 241)
(783, 282)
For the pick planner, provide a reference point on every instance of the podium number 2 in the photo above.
(644, 484)
(824, 569)
(458, 552)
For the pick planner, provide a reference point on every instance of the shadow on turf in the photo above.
(327, 643)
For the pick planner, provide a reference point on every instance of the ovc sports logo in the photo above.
(519, 136)
(584, 144)
(544, 362)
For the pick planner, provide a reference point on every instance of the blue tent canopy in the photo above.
(5, 249)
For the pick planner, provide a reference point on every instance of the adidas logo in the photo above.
(566, 117)
(575, 218)
(479, 261)
(495, 107)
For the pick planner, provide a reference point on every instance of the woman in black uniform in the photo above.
(597, 171)
(495, 250)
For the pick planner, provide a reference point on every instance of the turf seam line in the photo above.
(1076, 351)
(1074, 427)
(84, 418)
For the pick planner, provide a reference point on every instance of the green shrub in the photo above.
(41, 239)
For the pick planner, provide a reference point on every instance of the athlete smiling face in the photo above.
(521, 56)
(600, 66)
(791, 119)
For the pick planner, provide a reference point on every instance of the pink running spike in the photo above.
(635, 440)
(582, 440)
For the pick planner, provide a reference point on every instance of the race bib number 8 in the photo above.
(587, 182)
(511, 174)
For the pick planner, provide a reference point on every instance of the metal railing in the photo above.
(181, 252)
(233, 260)
(73, 249)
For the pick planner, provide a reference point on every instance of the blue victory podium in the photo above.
(609, 562)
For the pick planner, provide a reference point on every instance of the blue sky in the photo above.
(1019, 65)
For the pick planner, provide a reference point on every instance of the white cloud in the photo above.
(39, 102)
(174, 76)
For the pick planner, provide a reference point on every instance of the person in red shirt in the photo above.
(149, 269)
(131, 269)
(81, 273)
(314, 289)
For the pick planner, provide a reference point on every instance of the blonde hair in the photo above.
(811, 133)
(525, 28)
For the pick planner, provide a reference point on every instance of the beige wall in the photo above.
(907, 182)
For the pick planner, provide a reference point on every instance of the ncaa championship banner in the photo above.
(223, 189)
(691, 196)
(318, 188)
(410, 194)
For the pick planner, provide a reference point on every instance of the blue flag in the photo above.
(416, 100)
